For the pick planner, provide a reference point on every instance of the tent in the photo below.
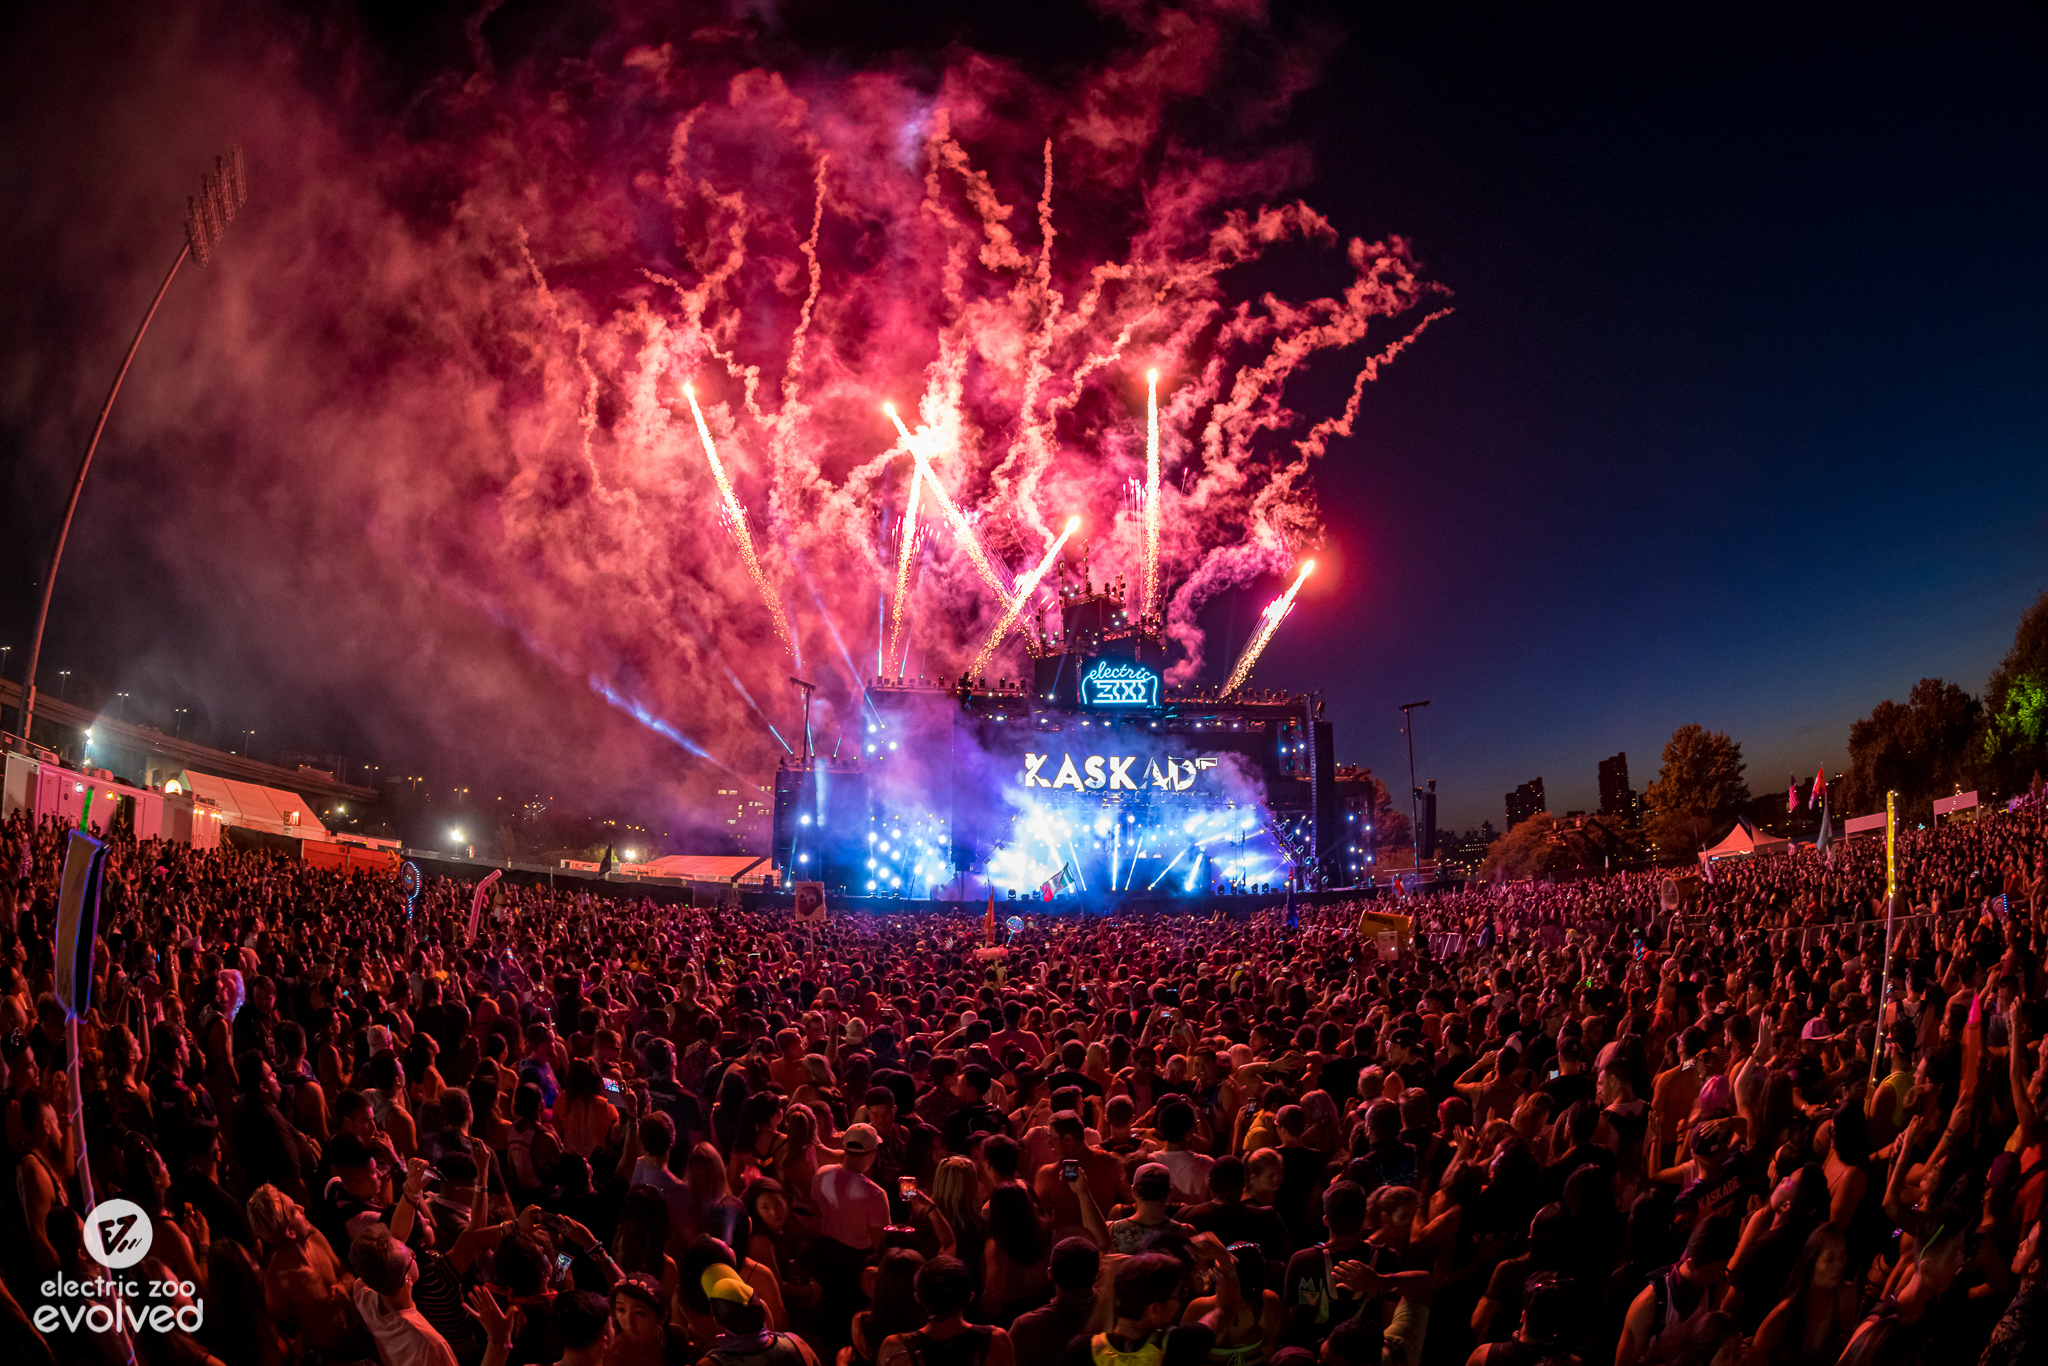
(1745, 841)
(251, 805)
(748, 869)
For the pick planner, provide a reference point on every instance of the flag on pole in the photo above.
(1057, 883)
(1820, 845)
(476, 902)
(989, 925)
(1820, 787)
(604, 865)
(1791, 795)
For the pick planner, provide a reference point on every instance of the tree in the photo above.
(2014, 743)
(1698, 792)
(1531, 849)
(1921, 750)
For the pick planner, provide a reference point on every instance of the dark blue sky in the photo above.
(1739, 420)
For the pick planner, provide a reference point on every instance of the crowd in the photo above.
(1596, 1121)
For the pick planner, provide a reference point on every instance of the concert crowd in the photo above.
(1640, 1118)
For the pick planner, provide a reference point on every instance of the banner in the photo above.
(476, 902)
(810, 903)
(78, 921)
(1373, 923)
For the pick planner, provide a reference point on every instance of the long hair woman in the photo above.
(891, 1286)
(640, 1244)
(1015, 1273)
(1813, 1320)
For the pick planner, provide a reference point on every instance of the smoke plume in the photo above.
(425, 417)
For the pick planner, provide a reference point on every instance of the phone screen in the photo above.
(561, 1268)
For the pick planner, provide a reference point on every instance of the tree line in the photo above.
(1940, 740)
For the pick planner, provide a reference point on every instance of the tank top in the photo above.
(1103, 1352)
(962, 1349)
(769, 1349)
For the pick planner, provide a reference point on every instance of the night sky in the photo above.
(1739, 419)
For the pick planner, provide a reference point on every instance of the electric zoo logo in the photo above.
(118, 1234)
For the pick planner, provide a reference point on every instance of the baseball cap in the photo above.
(1153, 1181)
(1816, 1028)
(860, 1138)
(721, 1282)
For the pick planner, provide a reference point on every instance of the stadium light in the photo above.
(221, 192)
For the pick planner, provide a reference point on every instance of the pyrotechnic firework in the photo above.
(1150, 591)
(1025, 588)
(558, 234)
(736, 518)
(961, 527)
(1275, 613)
(902, 597)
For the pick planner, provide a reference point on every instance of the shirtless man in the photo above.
(1673, 1095)
(305, 1286)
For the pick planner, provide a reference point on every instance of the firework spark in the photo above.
(1151, 583)
(822, 238)
(961, 527)
(1025, 588)
(736, 516)
(1276, 612)
(902, 599)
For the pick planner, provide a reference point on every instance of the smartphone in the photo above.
(1553, 1073)
(906, 1186)
(613, 1089)
(561, 1268)
(1069, 1169)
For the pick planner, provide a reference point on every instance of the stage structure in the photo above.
(1094, 774)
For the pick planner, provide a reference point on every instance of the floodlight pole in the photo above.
(222, 192)
(807, 689)
(1414, 792)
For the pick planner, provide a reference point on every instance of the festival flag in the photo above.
(1058, 882)
(989, 926)
(1791, 795)
(604, 865)
(1820, 788)
(1820, 845)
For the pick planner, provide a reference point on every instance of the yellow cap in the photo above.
(721, 1282)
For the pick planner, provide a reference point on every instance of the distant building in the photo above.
(1617, 798)
(1525, 801)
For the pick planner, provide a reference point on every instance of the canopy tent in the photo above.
(251, 805)
(1743, 842)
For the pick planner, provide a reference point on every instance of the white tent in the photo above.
(253, 806)
(748, 868)
(1744, 842)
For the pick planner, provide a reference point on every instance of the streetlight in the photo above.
(64, 688)
(178, 725)
(221, 192)
(1414, 792)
